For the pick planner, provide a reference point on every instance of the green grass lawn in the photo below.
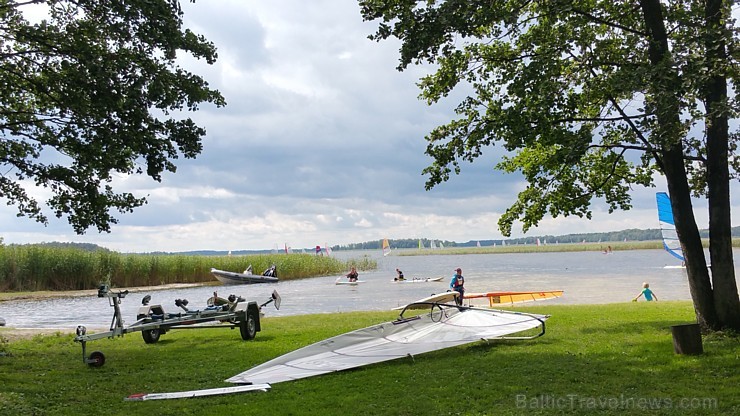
(606, 359)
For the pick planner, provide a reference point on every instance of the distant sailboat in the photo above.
(667, 227)
(386, 247)
(478, 244)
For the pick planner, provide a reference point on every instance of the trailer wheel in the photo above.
(96, 359)
(248, 327)
(151, 336)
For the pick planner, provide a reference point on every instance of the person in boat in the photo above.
(271, 271)
(649, 295)
(458, 285)
(400, 275)
(352, 275)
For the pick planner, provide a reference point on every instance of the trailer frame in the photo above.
(152, 320)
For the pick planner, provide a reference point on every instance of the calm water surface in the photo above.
(586, 278)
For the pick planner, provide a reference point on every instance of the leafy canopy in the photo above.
(564, 87)
(90, 91)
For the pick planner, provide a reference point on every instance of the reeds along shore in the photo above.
(34, 268)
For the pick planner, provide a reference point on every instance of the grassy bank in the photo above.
(35, 268)
(610, 359)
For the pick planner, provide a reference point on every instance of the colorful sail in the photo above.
(386, 247)
(667, 227)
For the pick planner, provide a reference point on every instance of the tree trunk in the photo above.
(700, 286)
(727, 302)
(664, 83)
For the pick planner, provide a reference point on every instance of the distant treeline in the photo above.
(624, 235)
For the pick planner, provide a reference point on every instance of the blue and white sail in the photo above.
(667, 227)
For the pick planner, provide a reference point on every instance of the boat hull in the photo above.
(233, 278)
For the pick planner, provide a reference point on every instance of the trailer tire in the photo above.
(96, 359)
(248, 327)
(151, 336)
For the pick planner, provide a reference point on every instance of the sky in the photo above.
(321, 143)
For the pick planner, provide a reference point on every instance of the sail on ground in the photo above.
(667, 227)
(386, 247)
(449, 326)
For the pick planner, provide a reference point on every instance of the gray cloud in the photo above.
(322, 141)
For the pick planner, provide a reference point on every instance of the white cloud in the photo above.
(322, 141)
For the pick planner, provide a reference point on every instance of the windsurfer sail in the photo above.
(386, 247)
(667, 227)
(447, 326)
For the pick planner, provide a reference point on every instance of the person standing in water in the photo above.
(649, 295)
(458, 285)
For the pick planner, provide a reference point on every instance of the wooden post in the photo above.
(687, 339)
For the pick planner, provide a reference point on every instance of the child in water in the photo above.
(649, 295)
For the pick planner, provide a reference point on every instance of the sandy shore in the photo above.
(48, 294)
(12, 334)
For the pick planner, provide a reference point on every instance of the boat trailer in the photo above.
(152, 321)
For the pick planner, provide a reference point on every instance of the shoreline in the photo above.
(49, 294)
(11, 333)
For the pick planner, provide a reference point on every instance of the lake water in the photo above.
(586, 278)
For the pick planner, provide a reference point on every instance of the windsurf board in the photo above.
(419, 280)
(503, 298)
(347, 282)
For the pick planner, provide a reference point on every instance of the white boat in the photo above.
(234, 278)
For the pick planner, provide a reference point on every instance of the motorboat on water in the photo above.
(248, 277)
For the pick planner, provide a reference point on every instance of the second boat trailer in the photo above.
(152, 321)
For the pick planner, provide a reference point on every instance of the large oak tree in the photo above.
(588, 98)
(89, 90)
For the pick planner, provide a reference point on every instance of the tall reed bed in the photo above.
(32, 268)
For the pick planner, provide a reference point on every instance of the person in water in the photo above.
(352, 275)
(458, 285)
(400, 275)
(649, 295)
